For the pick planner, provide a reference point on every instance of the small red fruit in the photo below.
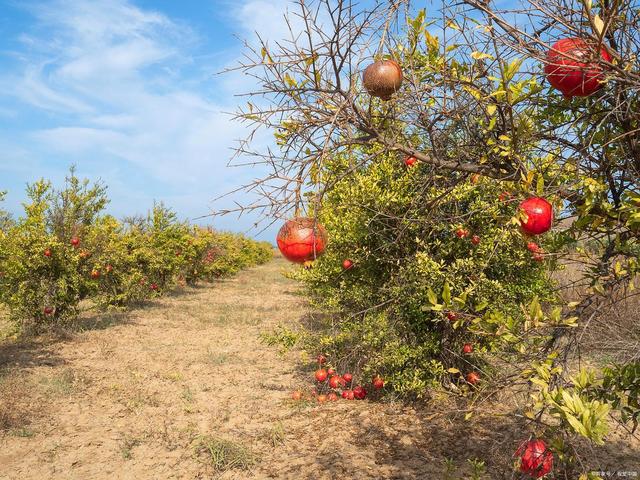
(462, 233)
(533, 247)
(322, 398)
(347, 377)
(537, 257)
(467, 348)
(453, 316)
(321, 359)
(382, 78)
(330, 371)
(109, 268)
(95, 274)
(535, 458)
(335, 381)
(48, 310)
(504, 196)
(47, 253)
(475, 239)
(154, 286)
(539, 214)
(348, 394)
(347, 264)
(378, 382)
(332, 397)
(473, 378)
(296, 395)
(321, 375)
(410, 161)
(75, 241)
(579, 76)
(359, 392)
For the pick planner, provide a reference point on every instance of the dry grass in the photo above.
(223, 455)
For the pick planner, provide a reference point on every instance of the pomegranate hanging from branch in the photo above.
(302, 239)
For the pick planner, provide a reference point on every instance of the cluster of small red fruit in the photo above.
(329, 381)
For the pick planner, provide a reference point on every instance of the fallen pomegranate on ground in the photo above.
(359, 392)
(296, 395)
(382, 78)
(377, 382)
(321, 375)
(332, 397)
(322, 398)
(535, 458)
(348, 394)
(473, 377)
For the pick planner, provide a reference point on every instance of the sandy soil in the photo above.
(185, 388)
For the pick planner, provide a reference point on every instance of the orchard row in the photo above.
(64, 254)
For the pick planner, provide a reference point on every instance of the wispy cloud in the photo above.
(118, 90)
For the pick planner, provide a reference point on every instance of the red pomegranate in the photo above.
(47, 253)
(533, 247)
(321, 375)
(347, 264)
(410, 161)
(467, 348)
(382, 78)
(572, 68)
(539, 215)
(336, 381)
(302, 239)
(75, 241)
(535, 458)
(359, 392)
(378, 382)
(473, 377)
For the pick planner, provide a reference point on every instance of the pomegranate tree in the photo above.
(573, 68)
(302, 239)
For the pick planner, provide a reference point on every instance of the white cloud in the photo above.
(117, 87)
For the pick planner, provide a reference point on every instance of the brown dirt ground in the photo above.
(184, 388)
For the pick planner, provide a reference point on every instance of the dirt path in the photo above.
(184, 388)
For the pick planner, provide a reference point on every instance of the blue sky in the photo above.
(127, 91)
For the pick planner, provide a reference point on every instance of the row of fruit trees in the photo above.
(65, 255)
(423, 156)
